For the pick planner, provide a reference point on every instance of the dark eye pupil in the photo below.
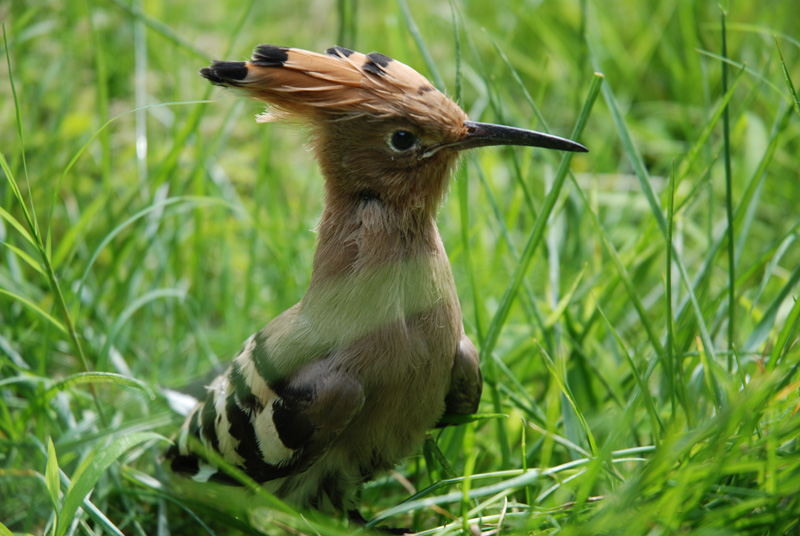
(403, 140)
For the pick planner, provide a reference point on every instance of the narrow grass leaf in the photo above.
(90, 471)
(436, 454)
(702, 139)
(671, 362)
(8, 217)
(100, 377)
(785, 337)
(788, 78)
(456, 420)
(30, 261)
(463, 204)
(30, 216)
(710, 375)
(413, 29)
(758, 76)
(72, 237)
(36, 309)
(508, 486)
(562, 305)
(764, 327)
(769, 269)
(456, 22)
(126, 314)
(655, 421)
(198, 200)
(522, 86)
(51, 474)
(162, 29)
(748, 201)
(726, 153)
(551, 366)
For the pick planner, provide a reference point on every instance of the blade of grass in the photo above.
(90, 471)
(764, 327)
(162, 29)
(51, 475)
(673, 360)
(125, 315)
(563, 303)
(554, 372)
(769, 269)
(726, 153)
(785, 340)
(99, 377)
(8, 217)
(30, 215)
(413, 29)
(702, 139)
(36, 309)
(189, 200)
(743, 66)
(789, 84)
(30, 261)
(655, 421)
(749, 199)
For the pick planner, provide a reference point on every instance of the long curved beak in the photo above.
(484, 134)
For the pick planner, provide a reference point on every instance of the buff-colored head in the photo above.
(380, 129)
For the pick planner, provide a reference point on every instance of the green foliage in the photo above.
(640, 378)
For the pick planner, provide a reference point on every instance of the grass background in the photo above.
(644, 389)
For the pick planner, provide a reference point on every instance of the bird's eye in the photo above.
(403, 140)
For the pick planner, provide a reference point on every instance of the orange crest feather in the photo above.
(341, 84)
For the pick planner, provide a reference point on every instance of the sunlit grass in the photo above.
(148, 225)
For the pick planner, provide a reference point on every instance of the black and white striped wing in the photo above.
(267, 425)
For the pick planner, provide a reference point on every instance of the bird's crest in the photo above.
(340, 84)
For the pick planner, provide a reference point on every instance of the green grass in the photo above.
(642, 388)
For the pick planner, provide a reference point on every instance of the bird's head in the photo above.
(380, 129)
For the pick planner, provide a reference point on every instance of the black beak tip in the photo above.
(483, 134)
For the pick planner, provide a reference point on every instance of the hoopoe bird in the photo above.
(346, 383)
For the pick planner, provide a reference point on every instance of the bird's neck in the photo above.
(363, 233)
(374, 268)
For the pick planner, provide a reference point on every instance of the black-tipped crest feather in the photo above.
(338, 51)
(224, 73)
(270, 56)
